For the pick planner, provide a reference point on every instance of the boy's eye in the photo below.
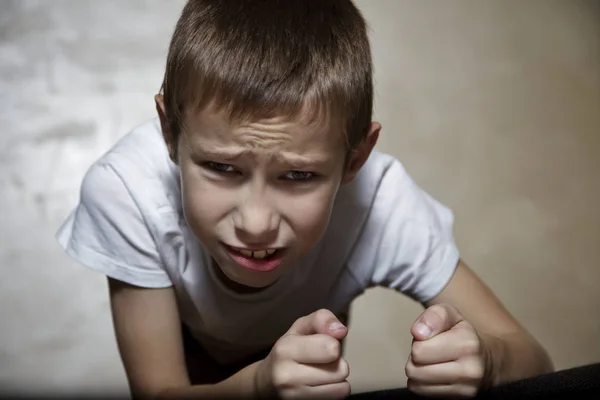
(220, 167)
(299, 175)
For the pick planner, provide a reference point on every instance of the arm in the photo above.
(148, 332)
(513, 353)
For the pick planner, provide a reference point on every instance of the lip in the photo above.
(235, 248)
(255, 264)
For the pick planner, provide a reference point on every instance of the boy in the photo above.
(236, 229)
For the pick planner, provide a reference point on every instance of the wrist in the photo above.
(513, 356)
(261, 388)
(256, 380)
(493, 352)
(243, 384)
(247, 381)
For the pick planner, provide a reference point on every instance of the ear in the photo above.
(361, 153)
(166, 128)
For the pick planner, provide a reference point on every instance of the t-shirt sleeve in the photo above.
(107, 232)
(415, 252)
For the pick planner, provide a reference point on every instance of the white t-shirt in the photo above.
(384, 231)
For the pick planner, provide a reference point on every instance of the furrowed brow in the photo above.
(298, 161)
(217, 153)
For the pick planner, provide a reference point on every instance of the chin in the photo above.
(256, 285)
(254, 279)
(248, 279)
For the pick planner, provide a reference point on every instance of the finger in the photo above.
(321, 321)
(434, 320)
(442, 391)
(338, 390)
(323, 374)
(447, 346)
(313, 349)
(440, 374)
(469, 370)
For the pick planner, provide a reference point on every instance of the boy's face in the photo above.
(259, 194)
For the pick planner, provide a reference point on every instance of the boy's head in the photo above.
(266, 106)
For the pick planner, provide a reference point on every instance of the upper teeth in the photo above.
(257, 253)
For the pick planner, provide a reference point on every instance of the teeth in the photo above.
(247, 253)
(259, 254)
(256, 254)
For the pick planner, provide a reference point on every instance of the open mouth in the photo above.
(256, 260)
(259, 254)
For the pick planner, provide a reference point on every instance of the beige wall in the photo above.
(493, 106)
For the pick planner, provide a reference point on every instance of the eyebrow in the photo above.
(299, 161)
(221, 154)
(291, 159)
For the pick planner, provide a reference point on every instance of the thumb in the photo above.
(321, 321)
(435, 320)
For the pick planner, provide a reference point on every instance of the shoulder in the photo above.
(398, 198)
(381, 184)
(137, 166)
(358, 195)
(119, 227)
(406, 240)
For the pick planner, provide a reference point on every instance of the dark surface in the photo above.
(579, 382)
(203, 368)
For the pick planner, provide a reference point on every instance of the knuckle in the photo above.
(473, 371)
(345, 389)
(277, 351)
(322, 313)
(468, 391)
(338, 391)
(418, 352)
(330, 347)
(282, 378)
(471, 346)
(440, 311)
(333, 347)
(281, 348)
(410, 370)
(344, 369)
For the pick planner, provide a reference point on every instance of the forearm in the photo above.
(513, 357)
(239, 385)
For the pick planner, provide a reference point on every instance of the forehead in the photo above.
(299, 134)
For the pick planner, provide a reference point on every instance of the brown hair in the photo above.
(266, 58)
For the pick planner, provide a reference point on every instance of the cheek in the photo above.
(309, 214)
(203, 204)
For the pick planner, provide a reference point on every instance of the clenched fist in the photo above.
(306, 361)
(447, 357)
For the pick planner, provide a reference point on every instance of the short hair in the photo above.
(268, 58)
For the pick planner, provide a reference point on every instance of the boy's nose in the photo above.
(256, 225)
